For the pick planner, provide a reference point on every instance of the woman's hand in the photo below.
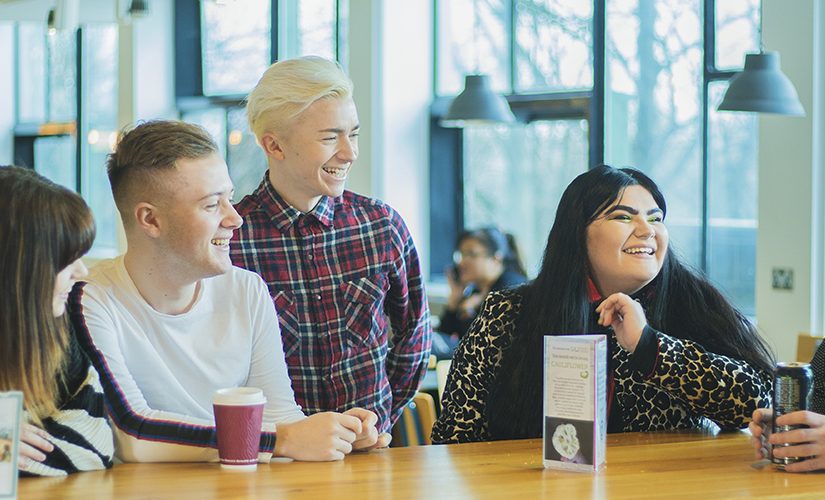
(456, 288)
(34, 445)
(625, 316)
(808, 442)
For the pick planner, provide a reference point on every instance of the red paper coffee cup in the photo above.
(238, 415)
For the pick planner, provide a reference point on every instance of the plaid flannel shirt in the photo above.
(347, 284)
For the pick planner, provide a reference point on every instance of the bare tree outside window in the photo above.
(235, 45)
(655, 113)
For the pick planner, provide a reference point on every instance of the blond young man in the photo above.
(342, 268)
(171, 320)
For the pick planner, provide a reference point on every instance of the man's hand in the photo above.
(318, 438)
(368, 438)
(808, 442)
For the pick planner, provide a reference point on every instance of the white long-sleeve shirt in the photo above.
(160, 371)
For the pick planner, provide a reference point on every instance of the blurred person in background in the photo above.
(486, 259)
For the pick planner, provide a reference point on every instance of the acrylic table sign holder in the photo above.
(11, 415)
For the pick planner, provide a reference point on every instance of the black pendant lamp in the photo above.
(477, 104)
(762, 87)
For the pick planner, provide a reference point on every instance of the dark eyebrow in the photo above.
(631, 210)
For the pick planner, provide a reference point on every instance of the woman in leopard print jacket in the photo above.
(680, 355)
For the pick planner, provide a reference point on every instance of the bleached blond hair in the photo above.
(289, 87)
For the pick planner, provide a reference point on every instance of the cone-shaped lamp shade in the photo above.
(477, 104)
(139, 8)
(762, 87)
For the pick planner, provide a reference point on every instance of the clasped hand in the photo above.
(625, 316)
(330, 436)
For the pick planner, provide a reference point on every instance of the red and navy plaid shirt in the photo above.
(347, 284)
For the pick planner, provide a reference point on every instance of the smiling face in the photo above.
(627, 243)
(196, 218)
(63, 283)
(314, 156)
(475, 264)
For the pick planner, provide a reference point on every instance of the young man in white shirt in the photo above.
(171, 321)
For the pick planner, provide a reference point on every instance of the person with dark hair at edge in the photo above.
(808, 440)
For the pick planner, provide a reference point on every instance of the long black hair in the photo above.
(495, 241)
(682, 303)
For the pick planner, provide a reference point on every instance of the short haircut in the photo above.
(148, 149)
(289, 87)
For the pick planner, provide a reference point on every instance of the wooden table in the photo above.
(645, 465)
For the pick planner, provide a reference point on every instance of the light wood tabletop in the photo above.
(639, 465)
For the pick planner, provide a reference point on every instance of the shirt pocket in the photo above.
(287, 319)
(365, 322)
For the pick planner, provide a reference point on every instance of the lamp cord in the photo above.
(761, 38)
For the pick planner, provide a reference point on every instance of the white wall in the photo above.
(390, 62)
(790, 218)
(408, 77)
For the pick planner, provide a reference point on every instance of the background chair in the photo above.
(442, 369)
(806, 345)
(416, 422)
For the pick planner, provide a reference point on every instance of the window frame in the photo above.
(446, 155)
(446, 144)
(26, 133)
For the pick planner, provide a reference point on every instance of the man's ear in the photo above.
(146, 218)
(272, 146)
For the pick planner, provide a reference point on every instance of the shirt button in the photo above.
(318, 297)
(310, 256)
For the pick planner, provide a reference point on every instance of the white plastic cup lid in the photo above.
(239, 396)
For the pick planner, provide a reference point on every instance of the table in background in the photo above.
(639, 465)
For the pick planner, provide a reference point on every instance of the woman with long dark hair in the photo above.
(46, 229)
(680, 354)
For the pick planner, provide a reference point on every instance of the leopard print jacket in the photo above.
(686, 387)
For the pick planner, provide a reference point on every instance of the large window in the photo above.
(534, 163)
(66, 121)
(662, 90)
(233, 43)
(650, 75)
(539, 53)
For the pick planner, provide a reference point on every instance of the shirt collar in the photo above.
(282, 214)
(593, 294)
(642, 295)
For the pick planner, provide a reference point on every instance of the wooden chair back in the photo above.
(416, 422)
(806, 345)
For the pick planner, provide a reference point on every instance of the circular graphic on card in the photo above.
(568, 440)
